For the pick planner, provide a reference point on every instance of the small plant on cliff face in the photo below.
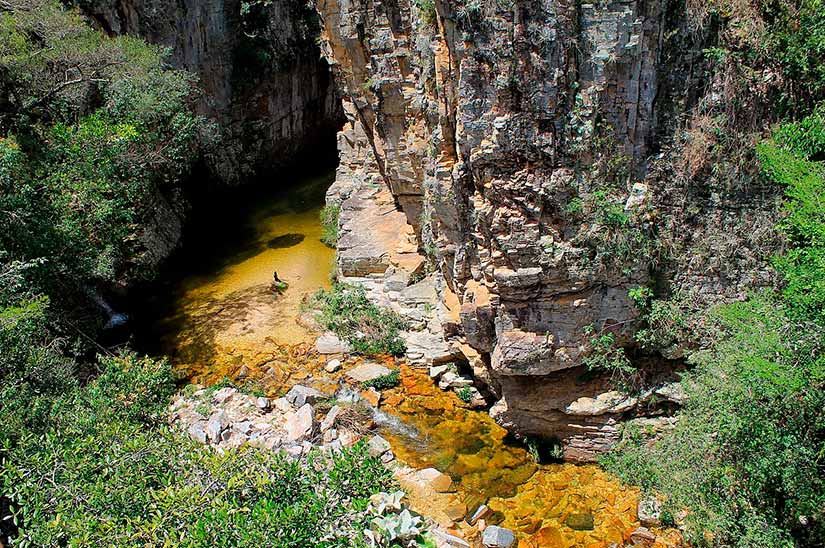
(370, 84)
(329, 225)
(346, 311)
(427, 11)
(610, 212)
(640, 296)
(606, 356)
(469, 15)
(574, 206)
(465, 394)
(669, 326)
(533, 450)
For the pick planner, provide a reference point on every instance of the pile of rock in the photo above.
(448, 378)
(228, 418)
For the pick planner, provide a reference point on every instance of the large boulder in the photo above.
(197, 432)
(498, 537)
(438, 481)
(377, 446)
(329, 420)
(330, 343)
(649, 511)
(216, 425)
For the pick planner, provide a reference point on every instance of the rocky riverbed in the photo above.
(456, 466)
(264, 376)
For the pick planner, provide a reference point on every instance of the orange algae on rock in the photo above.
(535, 500)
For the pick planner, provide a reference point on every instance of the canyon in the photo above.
(508, 173)
(433, 273)
(518, 156)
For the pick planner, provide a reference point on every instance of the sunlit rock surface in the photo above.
(486, 127)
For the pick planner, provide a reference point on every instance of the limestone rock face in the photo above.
(510, 149)
(261, 73)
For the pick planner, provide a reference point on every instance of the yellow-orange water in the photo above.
(227, 322)
(540, 502)
(229, 317)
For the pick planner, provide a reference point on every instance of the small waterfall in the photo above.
(395, 424)
(116, 319)
(346, 394)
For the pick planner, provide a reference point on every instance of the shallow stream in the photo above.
(219, 318)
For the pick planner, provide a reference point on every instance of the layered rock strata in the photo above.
(506, 149)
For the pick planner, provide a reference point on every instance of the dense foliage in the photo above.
(746, 459)
(97, 466)
(94, 131)
(369, 329)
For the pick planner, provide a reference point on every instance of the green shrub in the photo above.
(806, 137)
(329, 225)
(574, 206)
(143, 484)
(465, 394)
(745, 459)
(33, 371)
(95, 129)
(605, 356)
(384, 382)
(640, 296)
(609, 211)
(370, 329)
(802, 266)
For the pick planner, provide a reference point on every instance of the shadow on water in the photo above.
(285, 240)
(226, 229)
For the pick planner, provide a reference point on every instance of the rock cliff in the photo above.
(263, 79)
(523, 161)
